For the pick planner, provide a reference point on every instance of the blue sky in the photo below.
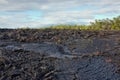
(40, 13)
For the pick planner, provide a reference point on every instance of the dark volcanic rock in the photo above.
(25, 65)
(59, 55)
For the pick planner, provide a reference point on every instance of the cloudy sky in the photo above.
(38, 13)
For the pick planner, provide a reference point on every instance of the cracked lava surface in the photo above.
(59, 55)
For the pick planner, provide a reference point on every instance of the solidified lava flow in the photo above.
(59, 55)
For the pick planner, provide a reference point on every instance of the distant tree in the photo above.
(107, 23)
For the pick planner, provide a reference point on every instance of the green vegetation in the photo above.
(105, 24)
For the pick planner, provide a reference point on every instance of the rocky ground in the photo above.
(59, 55)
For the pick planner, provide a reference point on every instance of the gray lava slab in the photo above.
(69, 68)
(87, 46)
(50, 50)
(91, 68)
(47, 49)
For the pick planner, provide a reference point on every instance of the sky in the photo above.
(41, 13)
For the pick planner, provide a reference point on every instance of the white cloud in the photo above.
(3, 2)
(55, 11)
